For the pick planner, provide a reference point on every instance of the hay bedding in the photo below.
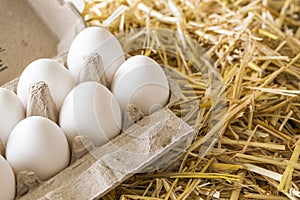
(255, 45)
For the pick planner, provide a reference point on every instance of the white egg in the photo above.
(7, 181)
(58, 78)
(11, 113)
(37, 144)
(142, 82)
(91, 110)
(97, 40)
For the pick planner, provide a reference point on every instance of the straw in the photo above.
(254, 46)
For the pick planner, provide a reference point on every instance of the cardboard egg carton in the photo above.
(153, 141)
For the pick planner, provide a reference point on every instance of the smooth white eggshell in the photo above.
(37, 144)
(58, 78)
(11, 113)
(91, 110)
(7, 181)
(97, 40)
(142, 82)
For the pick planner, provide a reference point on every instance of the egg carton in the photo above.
(150, 143)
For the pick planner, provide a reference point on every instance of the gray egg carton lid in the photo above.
(32, 29)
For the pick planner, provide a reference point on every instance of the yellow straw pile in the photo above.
(255, 46)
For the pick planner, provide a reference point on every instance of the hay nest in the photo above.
(255, 46)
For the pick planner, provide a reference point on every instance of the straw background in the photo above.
(255, 46)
